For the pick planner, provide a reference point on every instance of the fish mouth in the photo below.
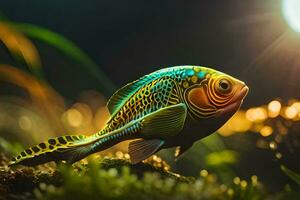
(241, 95)
(236, 101)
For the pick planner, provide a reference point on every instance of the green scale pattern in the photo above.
(166, 88)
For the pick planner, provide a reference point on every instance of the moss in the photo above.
(116, 178)
(23, 181)
(140, 168)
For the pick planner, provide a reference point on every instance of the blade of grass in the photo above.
(293, 175)
(9, 147)
(68, 48)
(21, 48)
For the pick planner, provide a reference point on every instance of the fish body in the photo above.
(171, 107)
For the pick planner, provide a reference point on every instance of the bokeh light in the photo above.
(278, 155)
(25, 123)
(238, 123)
(256, 114)
(203, 173)
(274, 108)
(244, 183)
(273, 145)
(291, 112)
(74, 117)
(291, 12)
(236, 180)
(266, 131)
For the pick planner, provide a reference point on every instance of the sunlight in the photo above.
(291, 12)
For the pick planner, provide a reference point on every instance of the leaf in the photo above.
(42, 95)
(69, 49)
(10, 147)
(21, 48)
(213, 142)
(293, 175)
(221, 157)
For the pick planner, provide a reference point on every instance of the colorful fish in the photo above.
(171, 107)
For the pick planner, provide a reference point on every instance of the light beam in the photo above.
(291, 12)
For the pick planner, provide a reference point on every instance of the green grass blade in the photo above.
(68, 48)
(293, 175)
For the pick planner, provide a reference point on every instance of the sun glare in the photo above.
(291, 12)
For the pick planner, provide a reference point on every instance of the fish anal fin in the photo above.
(165, 122)
(141, 149)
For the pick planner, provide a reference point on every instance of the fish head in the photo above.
(216, 98)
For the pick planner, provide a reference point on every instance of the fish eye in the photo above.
(224, 86)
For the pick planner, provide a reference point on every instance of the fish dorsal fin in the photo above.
(141, 149)
(165, 122)
(120, 96)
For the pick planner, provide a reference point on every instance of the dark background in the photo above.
(248, 39)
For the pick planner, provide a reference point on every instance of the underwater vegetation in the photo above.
(150, 180)
(218, 167)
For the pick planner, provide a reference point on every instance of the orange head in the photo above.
(214, 98)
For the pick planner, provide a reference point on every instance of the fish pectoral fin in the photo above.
(165, 122)
(181, 150)
(141, 149)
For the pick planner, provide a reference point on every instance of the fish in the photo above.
(170, 107)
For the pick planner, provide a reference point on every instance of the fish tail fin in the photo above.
(68, 148)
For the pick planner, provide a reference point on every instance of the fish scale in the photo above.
(159, 99)
(128, 133)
